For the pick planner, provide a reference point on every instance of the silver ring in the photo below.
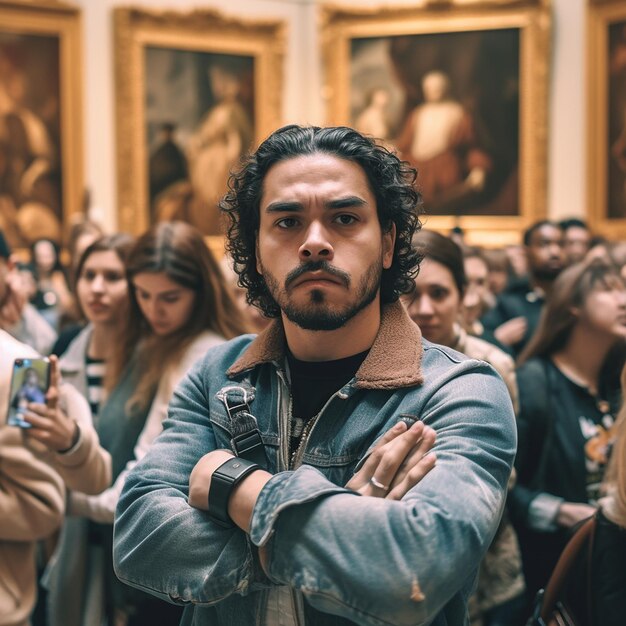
(378, 484)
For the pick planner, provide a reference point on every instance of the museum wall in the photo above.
(302, 89)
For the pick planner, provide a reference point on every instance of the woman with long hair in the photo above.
(178, 308)
(436, 307)
(569, 396)
(608, 562)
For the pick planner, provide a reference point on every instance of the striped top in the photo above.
(94, 370)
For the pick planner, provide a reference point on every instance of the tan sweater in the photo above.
(32, 487)
(31, 507)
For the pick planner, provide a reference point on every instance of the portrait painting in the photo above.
(37, 191)
(199, 124)
(606, 91)
(449, 103)
(200, 106)
(617, 120)
(451, 92)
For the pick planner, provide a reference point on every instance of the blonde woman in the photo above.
(608, 567)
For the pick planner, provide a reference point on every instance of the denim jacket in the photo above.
(353, 559)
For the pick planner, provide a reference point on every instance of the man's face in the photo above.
(576, 242)
(320, 246)
(545, 252)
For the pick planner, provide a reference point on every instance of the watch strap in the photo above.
(224, 479)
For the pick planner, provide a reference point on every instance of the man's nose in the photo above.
(316, 245)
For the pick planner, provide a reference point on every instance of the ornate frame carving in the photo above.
(339, 26)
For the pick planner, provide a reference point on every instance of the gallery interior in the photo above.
(561, 117)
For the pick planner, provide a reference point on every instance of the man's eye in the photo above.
(287, 222)
(345, 220)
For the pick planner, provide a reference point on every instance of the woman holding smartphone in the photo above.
(178, 308)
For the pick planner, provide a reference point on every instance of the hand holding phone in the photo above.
(29, 383)
(48, 424)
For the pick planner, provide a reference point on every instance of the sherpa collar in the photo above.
(394, 360)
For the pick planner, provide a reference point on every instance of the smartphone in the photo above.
(29, 383)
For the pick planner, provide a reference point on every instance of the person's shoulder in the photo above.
(12, 348)
(477, 348)
(439, 360)
(224, 353)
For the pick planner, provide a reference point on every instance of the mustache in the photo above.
(316, 266)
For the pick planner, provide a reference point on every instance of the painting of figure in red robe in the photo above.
(449, 104)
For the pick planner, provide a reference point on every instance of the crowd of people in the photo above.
(473, 407)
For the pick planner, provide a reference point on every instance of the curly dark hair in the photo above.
(391, 180)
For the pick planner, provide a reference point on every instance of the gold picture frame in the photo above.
(187, 40)
(399, 47)
(40, 119)
(606, 81)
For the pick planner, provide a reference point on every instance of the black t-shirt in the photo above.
(313, 383)
(594, 416)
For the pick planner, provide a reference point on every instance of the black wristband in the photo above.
(223, 481)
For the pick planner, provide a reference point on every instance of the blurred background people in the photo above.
(178, 308)
(435, 306)
(515, 316)
(52, 296)
(608, 574)
(17, 317)
(576, 239)
(569, 396)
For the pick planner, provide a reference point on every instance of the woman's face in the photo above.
(166, 305)
(604, 311)
(435, 304)
(102, 288)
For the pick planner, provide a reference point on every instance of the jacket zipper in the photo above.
(286, 409)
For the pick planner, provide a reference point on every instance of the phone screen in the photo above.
(29, 383)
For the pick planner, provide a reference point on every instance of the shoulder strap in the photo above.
(246, 441)
(554, 589)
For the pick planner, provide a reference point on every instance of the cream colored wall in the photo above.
(302, 88)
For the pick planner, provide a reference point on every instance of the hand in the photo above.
(200, 478)
(570, 513)
(511, 331)
(50, 425)
(398, 462)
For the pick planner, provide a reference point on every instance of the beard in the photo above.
(547, 273)
(318, 314)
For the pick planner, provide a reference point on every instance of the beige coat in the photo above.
(32, 494)
(31, 508)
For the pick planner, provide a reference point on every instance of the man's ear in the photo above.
(389, 243)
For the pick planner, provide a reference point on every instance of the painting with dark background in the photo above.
(616, 184)
(449, 103)
(30, 149)
(199, 123)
